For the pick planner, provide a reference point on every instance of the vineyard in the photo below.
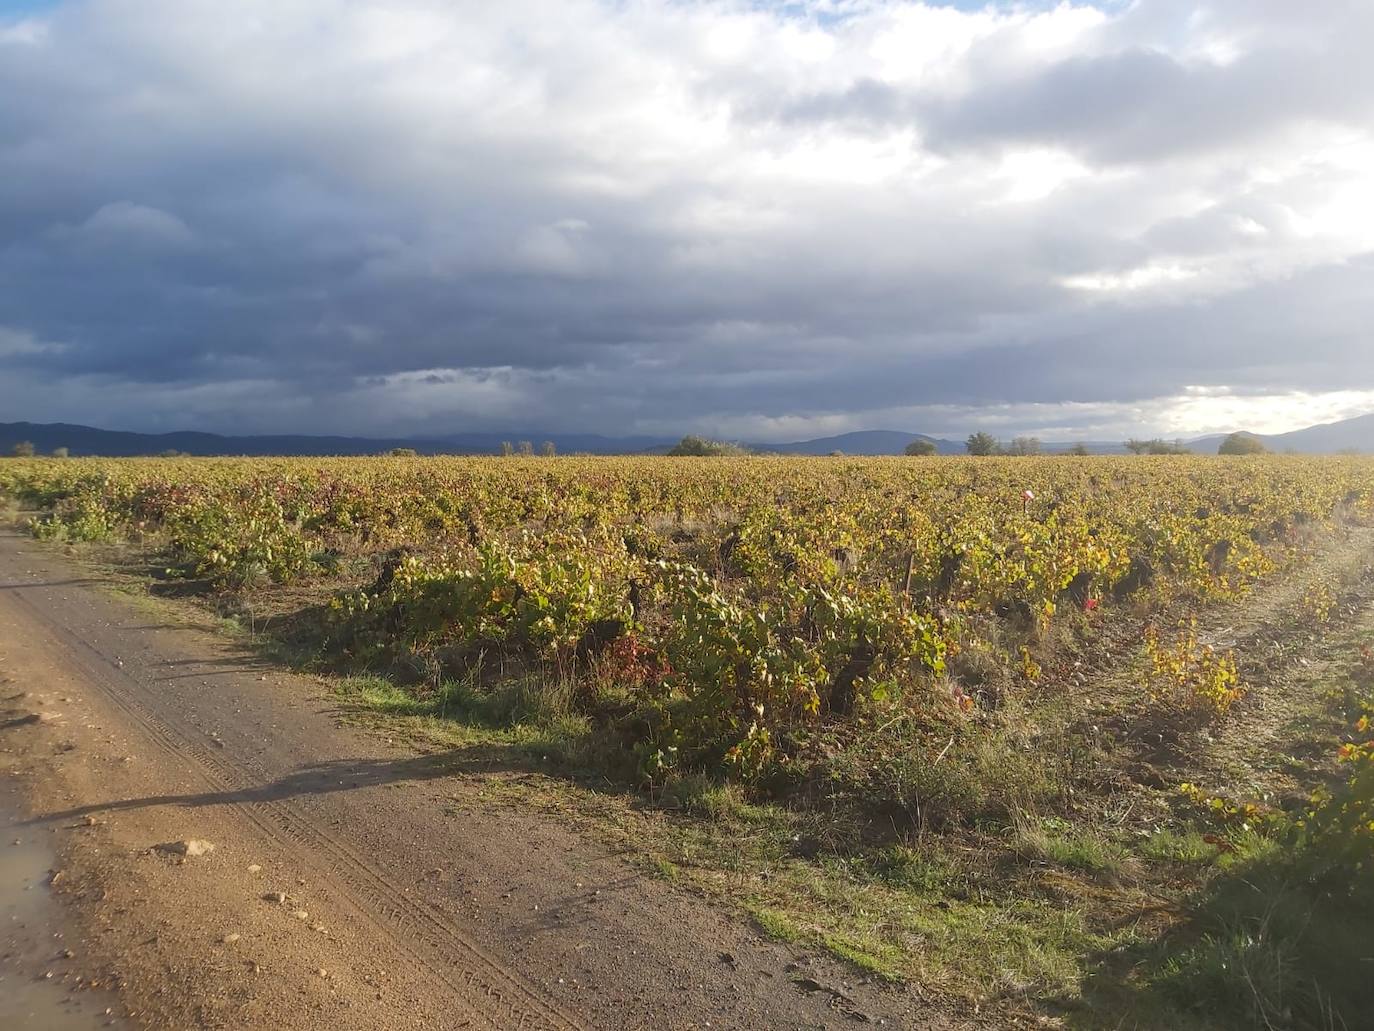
(909, 643)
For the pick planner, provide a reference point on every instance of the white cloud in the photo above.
(1144, 277)
(16, 343)
(128, 224)
(1217, 410)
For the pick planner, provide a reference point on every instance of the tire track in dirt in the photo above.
(1278, 655)
(494, 995)
(1282, 653)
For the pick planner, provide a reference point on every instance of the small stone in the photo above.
(254, 868)
(229, 939)
(322, 972)
(301, 914)
(278, 897)
(191, 848)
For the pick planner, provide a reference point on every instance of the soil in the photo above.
(352, 883)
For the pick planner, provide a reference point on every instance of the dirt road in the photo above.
(351, 884)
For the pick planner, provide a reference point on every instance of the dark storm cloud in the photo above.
(422, 216)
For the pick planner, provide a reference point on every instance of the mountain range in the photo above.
(1355, 434)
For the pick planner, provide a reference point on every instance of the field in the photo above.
(1080, 739)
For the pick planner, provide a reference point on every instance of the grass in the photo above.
(940, 909)
(1189, 847)
(1072, 848)
(1262, 948)
(776, 924)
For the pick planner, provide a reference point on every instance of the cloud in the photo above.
(127, 226)
(16, 344)
(425, 216)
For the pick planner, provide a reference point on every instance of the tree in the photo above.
(60, 452)
(690, 446)
(24, 449)
(981, 444)
(1080, 450)
(1024, 446)
(402, 452)
(921, 448)
(1242, 444)
(548, 450)
(525, 448)
(507, 448)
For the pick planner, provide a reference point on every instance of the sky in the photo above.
(757, 220)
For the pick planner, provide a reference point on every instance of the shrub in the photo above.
(1191, 680)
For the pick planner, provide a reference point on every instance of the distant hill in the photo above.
(1330, 438)
(1350, 435)
(87, 440)
(863, 442)
(1355, 434)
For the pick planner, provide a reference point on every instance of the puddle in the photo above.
(32, 941)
